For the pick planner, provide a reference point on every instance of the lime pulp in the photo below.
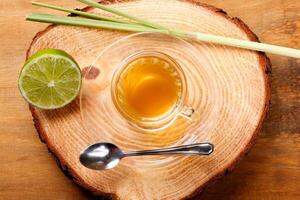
(50, 79)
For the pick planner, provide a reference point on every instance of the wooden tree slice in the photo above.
(241, 79)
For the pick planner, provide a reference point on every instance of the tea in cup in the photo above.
(149, 89)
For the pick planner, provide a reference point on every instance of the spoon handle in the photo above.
(192, 149)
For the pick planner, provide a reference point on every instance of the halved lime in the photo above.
(50, 79)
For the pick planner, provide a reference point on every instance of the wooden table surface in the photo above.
(270, 171)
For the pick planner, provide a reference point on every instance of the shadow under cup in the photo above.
(161, 81)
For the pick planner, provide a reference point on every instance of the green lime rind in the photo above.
(50, 79)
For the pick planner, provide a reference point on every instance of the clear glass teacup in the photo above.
(149, 89)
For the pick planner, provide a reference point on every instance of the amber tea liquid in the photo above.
(149, 87)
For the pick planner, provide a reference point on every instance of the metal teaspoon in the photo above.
(102, 156)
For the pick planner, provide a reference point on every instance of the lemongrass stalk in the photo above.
(91, 23)
(81, 13)
(117, 12)
(244, 44)
(193, 35)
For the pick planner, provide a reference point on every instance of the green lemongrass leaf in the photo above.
(81, 13)
(91, 23)
(117, 12)
(245, 44)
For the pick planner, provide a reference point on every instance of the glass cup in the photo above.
(163, 120)
(196, 109)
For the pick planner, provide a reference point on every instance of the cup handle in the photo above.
(189, 113)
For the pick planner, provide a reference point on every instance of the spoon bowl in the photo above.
(101, 156)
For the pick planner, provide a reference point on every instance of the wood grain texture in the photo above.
(270, 171)
(229, 90)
